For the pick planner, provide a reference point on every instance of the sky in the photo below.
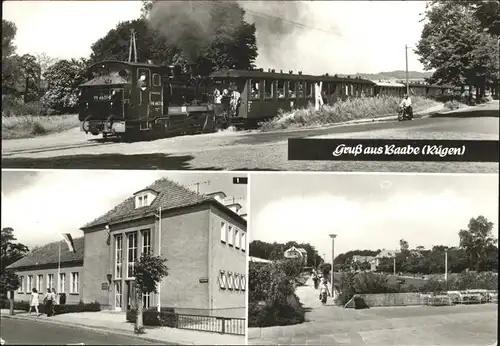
(331, 36)
(368, 211)
(40, 205)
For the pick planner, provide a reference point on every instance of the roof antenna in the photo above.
(200, 183)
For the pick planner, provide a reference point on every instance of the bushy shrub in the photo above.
(151, 317)
(263, 315)
(12, 106)
(59, 309)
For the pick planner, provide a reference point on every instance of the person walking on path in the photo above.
(34, 301)
(49, 302)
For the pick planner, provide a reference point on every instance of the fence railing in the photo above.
(459, 297)
(223, 325)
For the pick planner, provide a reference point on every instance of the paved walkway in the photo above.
(115, 323)
(420, 325)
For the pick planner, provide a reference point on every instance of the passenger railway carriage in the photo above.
(259, 94)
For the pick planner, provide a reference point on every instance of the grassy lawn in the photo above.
(358, 108)
(26, 126)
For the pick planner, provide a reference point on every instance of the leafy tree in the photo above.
(115, 45)
(11, 250)
(9, 282)
(477, 239)
(10, 68)
(149, 272)
(63, 79)
(455, 43)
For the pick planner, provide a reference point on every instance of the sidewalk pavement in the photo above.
(113, 322)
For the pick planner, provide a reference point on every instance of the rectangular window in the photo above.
(144, 200)
(146, 300)
(269, 89)
(39, 283)
(50, 280)
(21, 286)
(230, 235)
(29, 284)
(230, 281)
(146, 241)
(236, 239)
(243, 241)
(131, 253)
(74, 282)
(156, 80)
(254, 90)
(243, 283)
(309, 89)
(280, 89)
(292, 92)
(139, 203)
(300, 90)
(62, 283)
(118, 256)
(237, 282)
(223, 232)
(222, 279)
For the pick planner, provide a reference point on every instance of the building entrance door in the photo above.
(118, 295)
(130, 294)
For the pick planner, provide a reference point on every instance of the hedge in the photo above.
(59, 309)
(151, 317)
(263, 315)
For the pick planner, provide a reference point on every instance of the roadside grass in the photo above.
(26, 126)
(341, 111)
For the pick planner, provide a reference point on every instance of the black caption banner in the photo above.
(392, 150)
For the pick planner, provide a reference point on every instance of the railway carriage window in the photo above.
(300, 90)
(292, 89)
(269, 89)
(254, 92)
(280, 89)
(346, 90)
(309, 89)
(352, 90)
(156, 80)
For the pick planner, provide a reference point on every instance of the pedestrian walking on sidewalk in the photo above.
(49, 302)
(34, 301)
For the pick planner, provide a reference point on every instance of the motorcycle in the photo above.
(405, 113)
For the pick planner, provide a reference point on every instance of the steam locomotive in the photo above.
(128, 99)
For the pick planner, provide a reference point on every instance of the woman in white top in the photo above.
(34, 301)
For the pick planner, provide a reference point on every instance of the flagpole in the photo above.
(59, 268)
(159, 254)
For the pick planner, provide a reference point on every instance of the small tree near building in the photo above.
(149, 272)
(9, 282)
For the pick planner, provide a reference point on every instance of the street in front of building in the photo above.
(30, 332)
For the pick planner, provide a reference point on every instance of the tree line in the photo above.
(477, 250)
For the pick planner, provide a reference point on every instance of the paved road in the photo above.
(253, 150)
(469, 325)
(26, 332)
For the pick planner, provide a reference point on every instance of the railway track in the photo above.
(6, 153)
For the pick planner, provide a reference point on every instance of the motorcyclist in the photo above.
(406, 105)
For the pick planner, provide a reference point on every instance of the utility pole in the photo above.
(407, 85)
(446, 267)
(394, 264)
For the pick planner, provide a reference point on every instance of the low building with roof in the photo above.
(375, 262)
(296, 252)
(39, 269)
(204, 241)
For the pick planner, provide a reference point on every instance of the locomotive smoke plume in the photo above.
(281, 44)
(188, 25)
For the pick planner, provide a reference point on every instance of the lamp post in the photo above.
(394, 264)
(333, 236)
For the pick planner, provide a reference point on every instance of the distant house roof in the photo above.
(49, 254)
(301, 251)
(214, 194)
(259, 260)
(171, 195)
(387, 253)
(387, 84)
(234, 205)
